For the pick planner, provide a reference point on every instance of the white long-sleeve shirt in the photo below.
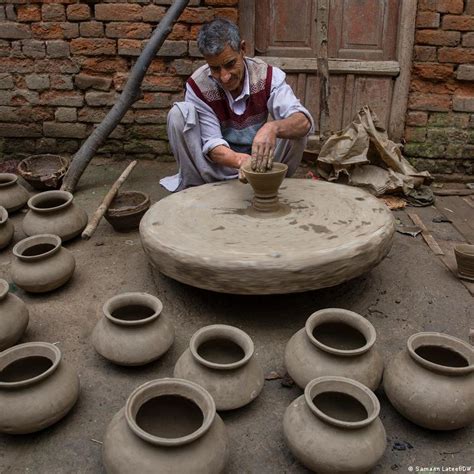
(281, 104)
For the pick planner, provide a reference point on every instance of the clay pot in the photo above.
(221, 359)
(6, 228)
(55, 213)
(127, 209)
(431, 382)
(133, 331)
(334, 427)
(41, 264)
(167, 425)
(334, 342)
(37, 388)
(13, 196)
(14, 317)
(265, 186)
(465, 260)
(43, 172)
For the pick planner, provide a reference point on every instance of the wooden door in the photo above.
(370, 44)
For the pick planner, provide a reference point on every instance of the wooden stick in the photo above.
(429, 239)
(99, 213)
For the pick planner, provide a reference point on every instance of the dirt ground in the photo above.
(410, 291)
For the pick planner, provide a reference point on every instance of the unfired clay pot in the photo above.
(41, 264)
(37, 388)
(334, 427)
(13, 196)
(133, 331)
(221, 359)
(464, 254)
(6, 228)
(265, 186)
(167, 425)
(431, 382)
(14, 317)
(54, 212)
(334, 342)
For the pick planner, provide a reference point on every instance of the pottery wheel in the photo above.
(324, 234)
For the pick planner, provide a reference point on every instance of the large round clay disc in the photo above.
(208, 237)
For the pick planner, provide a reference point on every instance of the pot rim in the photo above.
(42, 239)
(4, 289)
(464, 250)
(126, 211)
(33, 201)
(447, 342)
(3, 215)
(39, 348)
(222, 331)
(349, 387)
(138, 298)
(277, 168)
(13, 179)
(343, 316)
(170, 386)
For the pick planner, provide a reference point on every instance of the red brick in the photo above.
(433, 71)
(21, 65)
(468, 40)
(62, 98)
(181, 31)
(162, 83)
(60, 66)
(417, 118)
(223, 3)
(456, 55)
(158, 65)
(450, 6)
(469, 7)
(415, 134)
(458, 22)
(129, 47)
(93, 47)
(153, 13)
(197, 15)
(154, 100)
(55, 30)
(53, 12)
(438, 38)
(28, 13)
(127, 30)
(229, 13)
(9, 30)
(104, 65)
(118, 12)
(429, 102)
(78, 12)
(17, 130)
(427, 20)
(424, 53)
(91, 29)
(430, 87)
(429, 5)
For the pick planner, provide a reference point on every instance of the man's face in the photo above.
(228, 68)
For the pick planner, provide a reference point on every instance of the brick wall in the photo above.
(64, 62)
(440, 117)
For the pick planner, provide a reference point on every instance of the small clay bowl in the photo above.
(44, 172)
(465, 259)
(127, 209)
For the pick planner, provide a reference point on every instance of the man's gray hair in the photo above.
(216, 35)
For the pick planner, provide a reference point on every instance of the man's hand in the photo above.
(244, 160)
(263, 148)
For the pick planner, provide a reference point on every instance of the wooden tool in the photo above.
(101, 210)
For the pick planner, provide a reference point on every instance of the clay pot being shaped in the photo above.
(265, 186)
(14, 317)
(6, 228)
(133, 331)
(465, 260)
(334, 427)
(167, 425)
(41, 264)
(334, 342)
(13, 196)
(37, 388)
(221, 359)
(431, 382)
(54, 212)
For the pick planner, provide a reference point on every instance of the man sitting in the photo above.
(223, 122)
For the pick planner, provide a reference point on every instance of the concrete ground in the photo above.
(410, 291)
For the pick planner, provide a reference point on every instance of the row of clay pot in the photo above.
(134, 332)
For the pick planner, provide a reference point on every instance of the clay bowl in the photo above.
(266, 184)
(44, 172)
(127, 209)
(465, 259)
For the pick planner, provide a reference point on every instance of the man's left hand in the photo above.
(263, 148)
